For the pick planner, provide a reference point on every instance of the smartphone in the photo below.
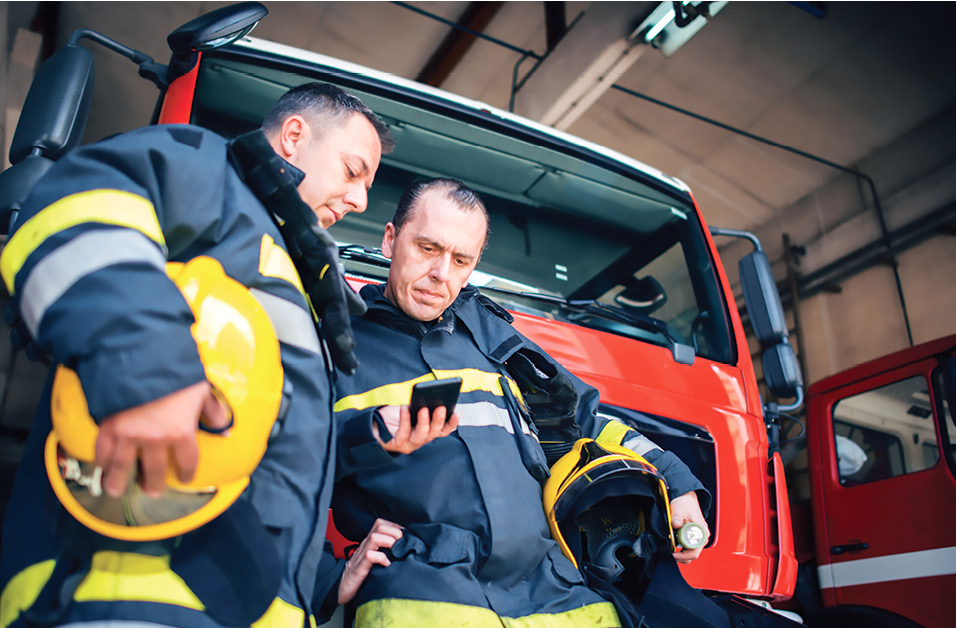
(431, 395)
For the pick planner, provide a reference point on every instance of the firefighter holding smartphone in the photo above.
(470, 541)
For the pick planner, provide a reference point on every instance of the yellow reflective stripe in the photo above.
(129, 577)
(402, 613)
(613, 433)
(281, 614)
(274, 261)
(135, 577)
(601, 614)
(111, 207)
(399, 393)
(22, 591)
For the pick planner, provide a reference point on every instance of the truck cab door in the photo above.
(885, 496)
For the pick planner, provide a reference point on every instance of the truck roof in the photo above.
(942, 345)
(273, 48)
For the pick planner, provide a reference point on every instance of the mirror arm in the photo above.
(736, 233)
(148, 68)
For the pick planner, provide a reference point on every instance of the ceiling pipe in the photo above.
(885, 237)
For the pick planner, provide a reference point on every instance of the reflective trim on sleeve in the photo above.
(487, 414)
(292, 324)
(400, 393)
(404, 613)
(274, 261)
(641, 445)
(613, 431)
(22, 591)
(85, 254)
(111, 207)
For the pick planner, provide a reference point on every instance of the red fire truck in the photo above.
(874, 492)
(605, 262)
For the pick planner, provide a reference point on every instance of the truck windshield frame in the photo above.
(567, 222)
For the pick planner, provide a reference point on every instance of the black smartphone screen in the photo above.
(431, 395)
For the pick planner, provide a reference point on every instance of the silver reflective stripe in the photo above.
(87, 253)
(923, 564)
(640, 445)
(486, 414)
(292, 323)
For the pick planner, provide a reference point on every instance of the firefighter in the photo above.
(472, 544)
(88, 266)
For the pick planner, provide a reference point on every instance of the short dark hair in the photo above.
(463, 196)
(322, 104)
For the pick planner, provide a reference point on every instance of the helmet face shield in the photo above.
(240, 354)
(605, 501)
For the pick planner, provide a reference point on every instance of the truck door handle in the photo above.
(836, 550)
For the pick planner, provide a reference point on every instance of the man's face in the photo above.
(339, 163)
(432, 255)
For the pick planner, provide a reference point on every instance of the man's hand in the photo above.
(686, 509)
(406, 439)
(154, 434)
(382, 535)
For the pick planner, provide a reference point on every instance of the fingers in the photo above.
(382, 535)
(451, 425)
(116, 459)
(429, 426)
(149, 437)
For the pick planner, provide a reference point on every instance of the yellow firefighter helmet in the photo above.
(240, 354)
(600, 500)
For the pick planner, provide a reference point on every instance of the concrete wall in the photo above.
(860, 316)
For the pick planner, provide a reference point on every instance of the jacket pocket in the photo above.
(437, 544)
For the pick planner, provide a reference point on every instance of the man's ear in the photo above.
(388, 239)
(293, 131)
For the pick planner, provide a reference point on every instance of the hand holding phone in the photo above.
(433, 394)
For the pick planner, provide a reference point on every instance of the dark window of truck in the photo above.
(567, 222)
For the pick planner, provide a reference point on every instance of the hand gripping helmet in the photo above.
(608, 510)
(240, 355)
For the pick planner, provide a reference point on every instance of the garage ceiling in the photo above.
(855, 86)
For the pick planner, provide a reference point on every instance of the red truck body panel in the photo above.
(884, 542)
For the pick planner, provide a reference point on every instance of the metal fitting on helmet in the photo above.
(240, 354)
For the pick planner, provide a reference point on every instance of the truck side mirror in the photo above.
(761, 298)
(781, 371)
(52, 122)
(57, 106)
(216, 28)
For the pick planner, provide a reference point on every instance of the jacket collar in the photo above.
(381, 310)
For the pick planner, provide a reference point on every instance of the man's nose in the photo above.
(440, 267)
(356, 198)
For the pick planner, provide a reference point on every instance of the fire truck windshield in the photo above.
(578, 233)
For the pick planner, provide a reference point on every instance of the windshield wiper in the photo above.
(682, 352)
(365, 254)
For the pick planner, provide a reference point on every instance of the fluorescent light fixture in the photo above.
(656, 29)
(661, 30)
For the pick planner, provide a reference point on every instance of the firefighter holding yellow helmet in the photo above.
(184, 476)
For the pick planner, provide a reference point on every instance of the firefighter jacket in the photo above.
(476, 544)
(86, 265)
